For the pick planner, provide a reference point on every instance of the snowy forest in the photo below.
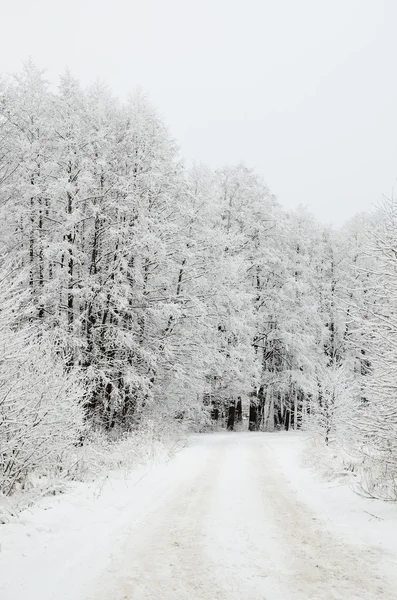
(136, 290)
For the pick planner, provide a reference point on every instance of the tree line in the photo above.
(134, 287)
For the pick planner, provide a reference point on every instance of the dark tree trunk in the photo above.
(110, 417)
(231, 416)
(253, 417)
(279, 416)
(239, 411)
(41, 262)
(287, 419)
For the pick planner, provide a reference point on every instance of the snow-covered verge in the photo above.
(93, 461)
(332, 495)
(52, 549)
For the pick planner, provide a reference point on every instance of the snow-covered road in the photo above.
(233, 529)
(230, 517)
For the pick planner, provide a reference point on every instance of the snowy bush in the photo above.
(377, 430)
(332, 411)
(104, 452)
(41, 411)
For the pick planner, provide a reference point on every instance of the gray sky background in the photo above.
(305, 91)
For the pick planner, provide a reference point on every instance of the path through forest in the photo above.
(232, 528)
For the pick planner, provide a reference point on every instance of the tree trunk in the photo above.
(287, 419)
(270, 414)
(239, 411)
(304, 411)
(231, 416)
(253, 417)
(70, 265)
(295, 410)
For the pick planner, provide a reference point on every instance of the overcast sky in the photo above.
(305, 91)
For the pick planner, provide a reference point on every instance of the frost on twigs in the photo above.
(103, 452)
(41, 405)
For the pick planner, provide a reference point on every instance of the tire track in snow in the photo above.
(162, 558)
(321, 566)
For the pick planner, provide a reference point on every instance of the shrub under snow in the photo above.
(41, 411)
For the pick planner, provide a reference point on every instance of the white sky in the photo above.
(305, 91)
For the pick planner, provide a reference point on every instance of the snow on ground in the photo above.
(356, 519)
(365, 523)
(55, 549)
(232, 516)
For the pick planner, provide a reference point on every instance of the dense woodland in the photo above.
(134, 288)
